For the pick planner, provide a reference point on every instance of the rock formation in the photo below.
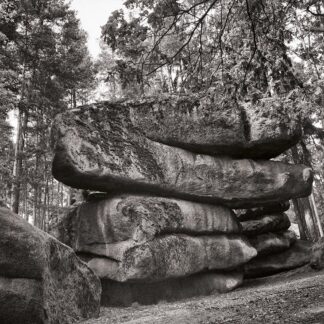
(100, 149)
(278, 249)
(42, 280)
(126, 221)
(255, 213)
(170, 170)
(174, 256)
(269, 243)
(265, 224)
(207, 125)
(296, 256)
(146, 241)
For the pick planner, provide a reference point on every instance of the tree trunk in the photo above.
(305, 209)
(315, 213)
(308, 226)
(74, 98)
(18, 161)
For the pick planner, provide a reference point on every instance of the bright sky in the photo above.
(93, 14)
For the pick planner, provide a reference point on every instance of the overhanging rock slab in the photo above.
(101, 149)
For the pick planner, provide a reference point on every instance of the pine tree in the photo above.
(48, 61)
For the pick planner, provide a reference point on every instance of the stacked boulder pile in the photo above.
(278, 249)
(172, 170)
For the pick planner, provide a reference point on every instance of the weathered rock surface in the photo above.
(317, 259)
(296, 256)
(21, 301)
(42, 280)
(254, 213)
(273, 242)
(59, 224)
(267, 223)
(173, 256)
(102, 226)
(99, 148)
(126, 293)
(214, 126)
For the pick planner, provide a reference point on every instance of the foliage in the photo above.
(254, 51)
(45, 68)
(198, 44)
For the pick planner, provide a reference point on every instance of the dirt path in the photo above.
(294, 298)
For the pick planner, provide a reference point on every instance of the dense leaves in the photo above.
(198, 44)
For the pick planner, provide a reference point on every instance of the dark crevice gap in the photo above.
(87, 256)
(11, 277)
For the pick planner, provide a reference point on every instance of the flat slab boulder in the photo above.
(269, 243)
(216, 126)
(42, 280)
(103, 225)
(99, 148)
(296, 256)
(267, 223)
(173, 256)
(126, 293)
(255, 213)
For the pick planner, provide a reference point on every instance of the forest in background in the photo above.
(248, 51)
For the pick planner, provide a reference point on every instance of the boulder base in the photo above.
(100, 149)
(267, 223)
(42, 280)
(255, 213)
(296, 256)
(172, 256)
(269, 243)
(125, 294)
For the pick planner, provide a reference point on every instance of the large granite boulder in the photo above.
(21, 301)
(126, 293)
(267, 223)
(269, 243)
(99, 148)
(296, 256)
(172, 256)
(214, 126)
(58, 220)
(42, 280)
(120, 221)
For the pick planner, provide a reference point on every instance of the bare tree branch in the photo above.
(316, 29)
(254, 40)
(200, 20)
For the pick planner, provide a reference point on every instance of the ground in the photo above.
(295, 297)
